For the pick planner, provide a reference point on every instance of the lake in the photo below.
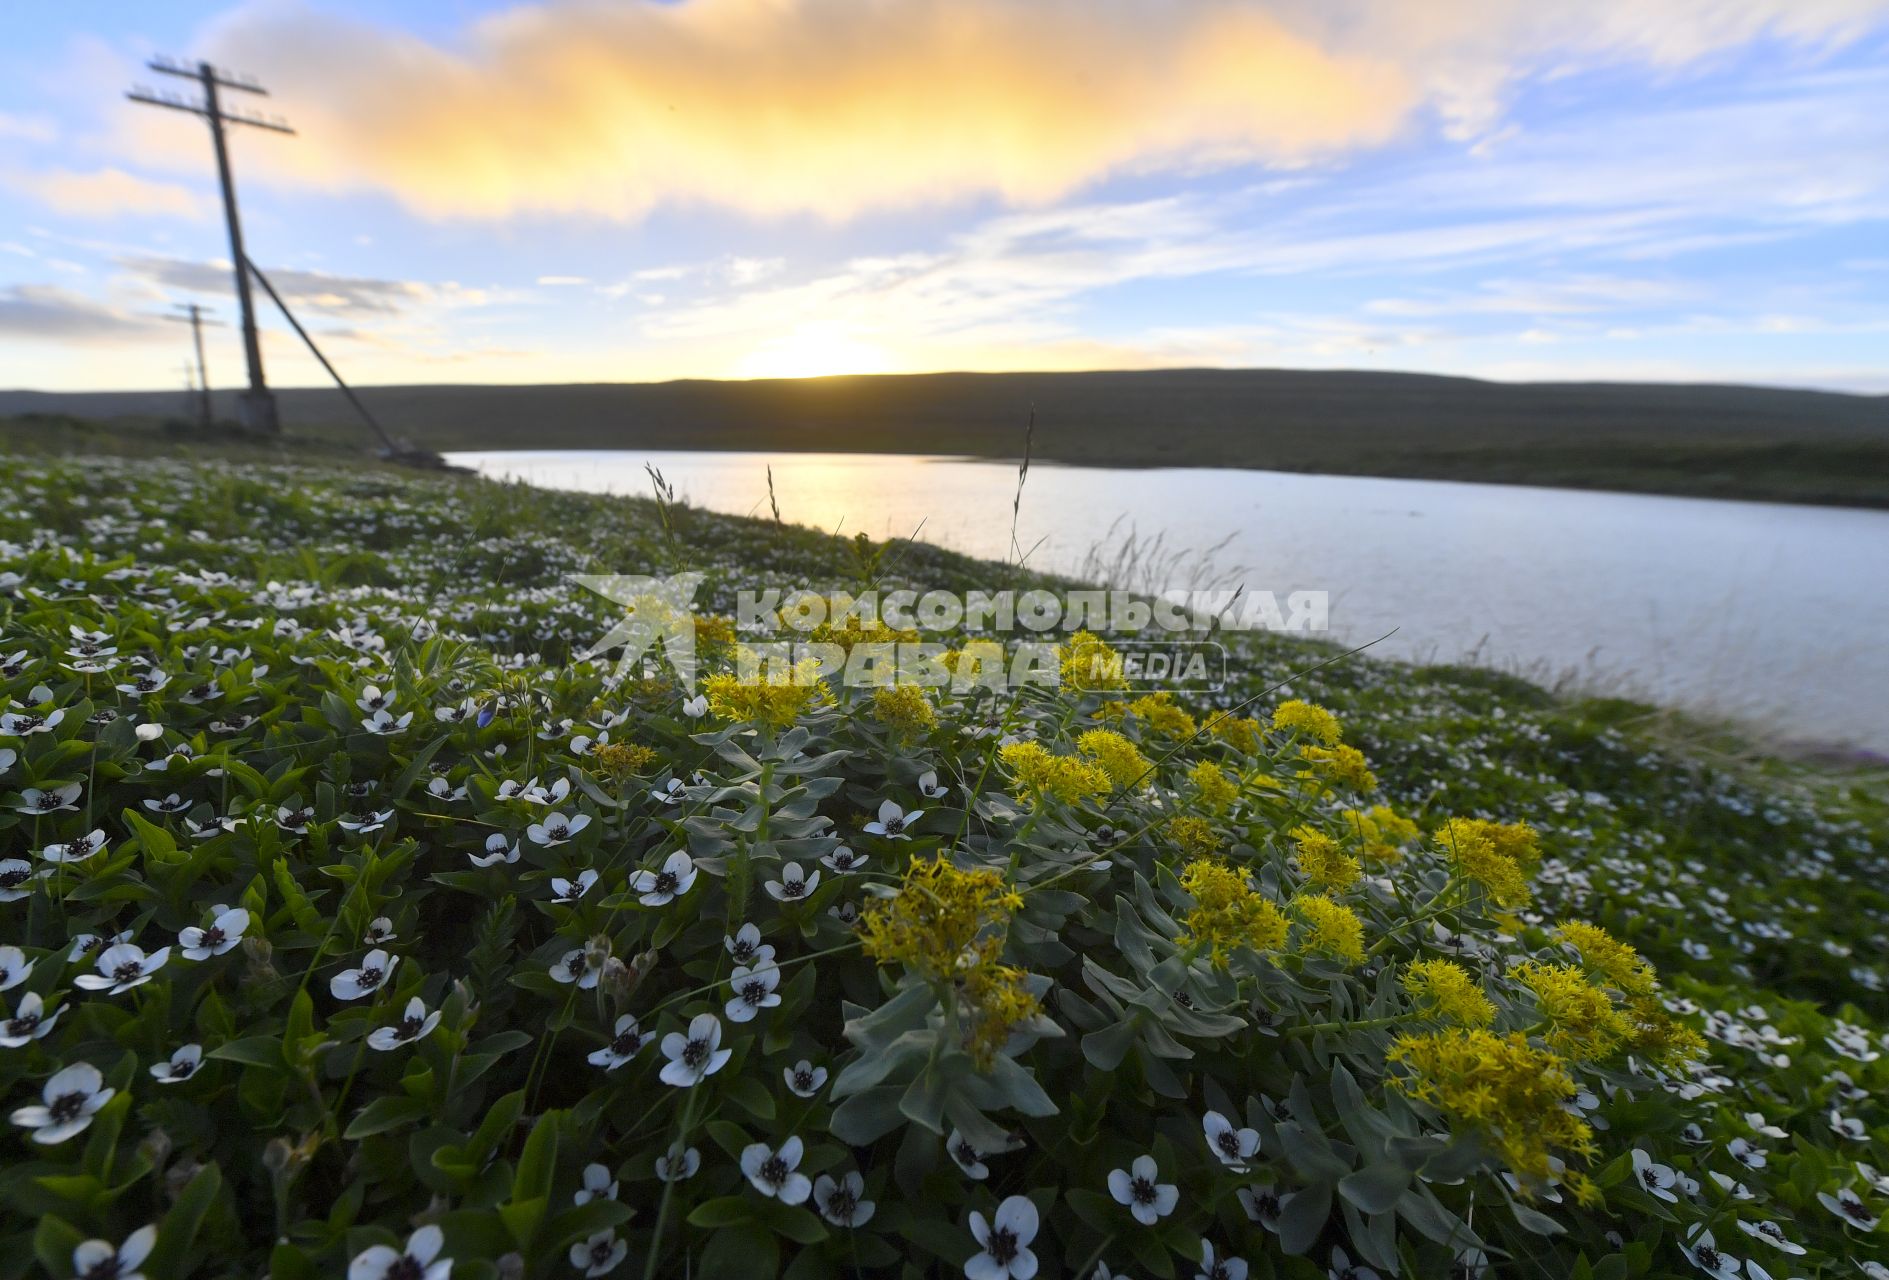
(1776, 615)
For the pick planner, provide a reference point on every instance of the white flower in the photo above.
(1772, 1234)
(696, 707)
(678, 1164)
(1746, 1154)
(773, 1173)
(928, 785)
(1235, 1147)
(695, 1055)
(77, 850)
(1263, 1204)
(415, 1024)
(1222, 1269)
(1762, 1127)
(1704, 1254)
(601, 1253)
(670, 792)
(97, 1260)
(627, 1041)
(16, 878)
(57, 800)
(754, 991)
(15, 968)
(419, 1261)
(575, 966)
(893, 821)
(1847, 1126)
(381, 722)
(967, 1157)
(17, 724)
(1847, 1205)
(372, 699)
(497, 849)
(352, 984)
(181, 1067)
(29, 1022)
(1004, 1242)
(660, 888)
(122, 967)
(556, 828)
(1342, 1268)
(843, 860)
(566, 892)
(793, 885)
(172, 803)
(1655, 1179)
(379, 932)
(1136, 1186)
(747, 948)
(223, 935)
(368, 824)
(804, 1079)
(71, 1098)
(598, 1185)
(843, 1203)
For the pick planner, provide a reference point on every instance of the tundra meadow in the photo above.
(352, 922)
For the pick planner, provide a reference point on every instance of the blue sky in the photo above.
(1689, 190)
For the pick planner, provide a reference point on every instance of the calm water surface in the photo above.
(1774, 614)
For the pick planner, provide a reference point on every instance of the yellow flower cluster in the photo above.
(942, 921)
(1227, 913)
(1474, 853)
(1581, 1020)
(1616, 963)
(712, 631)
(622, 759)
(1502, 1085)
(904, 709)
(1038, 771)
(1239, 732)
(1309, 719)
(1449, 992)
(852, 631)
(947, 925)
(1381, 831)
(1323, 862)
(1087, 663)
(1217, 791)
(777, 703)
(1161, 715)
(1194, 836)
(1328, 928)
(1119, 758)
(1345, 766)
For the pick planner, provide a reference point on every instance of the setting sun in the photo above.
(814, 351)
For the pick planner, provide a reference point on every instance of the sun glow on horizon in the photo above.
(815, 351)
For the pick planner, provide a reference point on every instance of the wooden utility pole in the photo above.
(195, 313)
(258, 411)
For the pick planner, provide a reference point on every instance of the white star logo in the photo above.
(653, 609)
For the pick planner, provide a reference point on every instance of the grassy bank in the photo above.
(1421, 969)
(1717, 441)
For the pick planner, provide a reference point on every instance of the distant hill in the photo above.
(1711, 439)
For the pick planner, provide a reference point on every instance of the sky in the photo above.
(633, 190)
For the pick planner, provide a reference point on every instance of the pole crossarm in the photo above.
(177, 102)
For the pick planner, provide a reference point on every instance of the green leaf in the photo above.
(385, 1113)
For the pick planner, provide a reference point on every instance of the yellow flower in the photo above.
(1582, 1022)
(1449, 992)
(1239, 732)
(1217, 791)
(1381, 831)
(714, 632)
(1343, 765)
(904, 709)
(852, 631)
(939, 918)
(623, 759)
(1322, 862)
(1309, 719)
(994, 1000)
(1119, 758)
(1657, 1036)
(1087, 662)
(1194, 835)
(1502, 1085)
(1618, 964)
(1161, 715)
(777, 703)
(1473, 854)
(1039, 772)
(1227, 913)
(1328, 927)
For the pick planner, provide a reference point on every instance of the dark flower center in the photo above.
(103, 1269)
(11, 877)
(557, 831)
(213, 936)
(405, 1267)
(803, 1080)
(181, 1068)
(793, 888)
(967, 1154)
(410, 1027)
(665, 882)
(842, 1204)
(1142, 1190)
(754, 992)
(370, 977)
(600, 1252)
(66, 1107)
(1229, 1143)
(744, 951)
(774, 1170)
(128, 970)
(626, 1044)
(1855, 1210)
(695, 1053)
(1002, 1246)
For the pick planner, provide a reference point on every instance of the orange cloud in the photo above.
(110, 193)
(828, 107)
